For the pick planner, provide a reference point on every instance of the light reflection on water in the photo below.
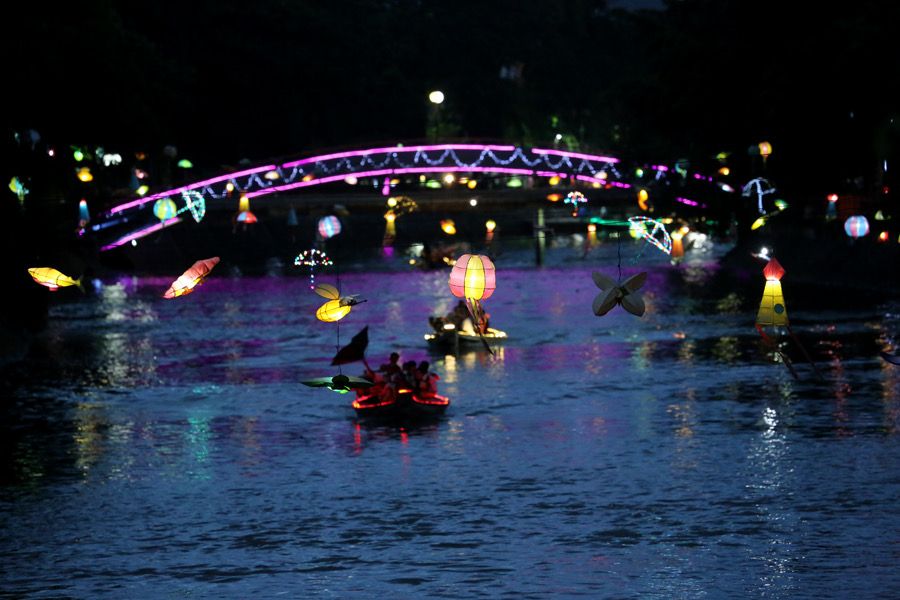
(159, 448)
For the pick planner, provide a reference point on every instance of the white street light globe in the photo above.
(436, 96)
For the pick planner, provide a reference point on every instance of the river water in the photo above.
(158, 448)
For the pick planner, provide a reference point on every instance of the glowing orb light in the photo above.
(164, 209)
(329, 227)
(473, 277)
(856, 226)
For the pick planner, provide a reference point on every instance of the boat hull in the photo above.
(406, 406)
(452, 339)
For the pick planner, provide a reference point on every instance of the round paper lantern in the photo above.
(473, 277)
(164, 209)
(856, 226)
(329, 226)
(332, 311)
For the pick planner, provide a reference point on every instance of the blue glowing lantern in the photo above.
(329, 227)
(856, 226)
(164, 209)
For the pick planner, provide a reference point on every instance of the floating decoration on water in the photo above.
(575, 199)
(624, 293)
(658, 236)
(339, 383)
(761, 187)
(856, 226)
(448, 226)
(677, 243)
(355, 350)
(52, 279)
(246, 217)
(84, 175)
(191, 278)
(329, 227)
(773, 313)
(16, 187)
(337, 306)
(474, 279)
(195, 203)
(185, 164)
(401, 205)
(642, 197)
(84, 217)
(165, 209)
(831, 211)
(312, 258)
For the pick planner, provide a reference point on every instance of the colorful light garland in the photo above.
(663, 242)
(575, 199)
(312, 258)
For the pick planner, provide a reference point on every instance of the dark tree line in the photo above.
(224, 81)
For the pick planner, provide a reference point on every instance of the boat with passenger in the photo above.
(400, 394)
(451, 338)
(404, 405)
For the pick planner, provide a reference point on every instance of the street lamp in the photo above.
(433, 126)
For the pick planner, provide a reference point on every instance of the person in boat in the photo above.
(482, 322)
(392, 367)
(427, 380)
(456, 317)
(410, 375)
(459, 314)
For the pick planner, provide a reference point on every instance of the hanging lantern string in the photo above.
(337, 270)
(619, 253)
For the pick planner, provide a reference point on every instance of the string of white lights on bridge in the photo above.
(376, 162)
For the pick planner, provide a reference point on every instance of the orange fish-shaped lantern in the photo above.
(52, 279)
(191, 278)
(337, 306)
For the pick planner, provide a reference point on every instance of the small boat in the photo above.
(403, 406)
(452, 338)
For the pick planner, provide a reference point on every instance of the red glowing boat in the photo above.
(402, 406)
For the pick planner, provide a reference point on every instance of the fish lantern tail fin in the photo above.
(78, 283)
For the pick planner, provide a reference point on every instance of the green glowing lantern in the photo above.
(164, 209)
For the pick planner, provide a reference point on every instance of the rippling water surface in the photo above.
(166, 449)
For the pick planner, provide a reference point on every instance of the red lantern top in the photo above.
(773, 270)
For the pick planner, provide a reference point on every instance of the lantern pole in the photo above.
(539, 238)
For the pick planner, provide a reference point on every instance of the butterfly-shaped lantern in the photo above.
(624, 293)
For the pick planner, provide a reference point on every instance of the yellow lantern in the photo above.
(84, 174)
(332, 311)
(448, 226)
(772, 310)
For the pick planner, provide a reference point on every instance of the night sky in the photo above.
(229, 81)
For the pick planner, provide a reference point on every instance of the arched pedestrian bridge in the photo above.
(145, 215)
